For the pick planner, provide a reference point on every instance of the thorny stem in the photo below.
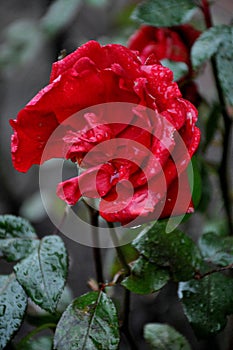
(126, 307)
(223, 173)
(199, 275)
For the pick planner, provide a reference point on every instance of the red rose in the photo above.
(172, 43)
(140, 114)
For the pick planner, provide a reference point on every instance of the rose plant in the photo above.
(131, 131)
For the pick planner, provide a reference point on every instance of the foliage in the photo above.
(92, 323)
(205, 309)
(199, 264)
(173, 250)
(162, 336)
(216, 42)
(145, 277)
(13, 302)
(40, 272)
(164, 14)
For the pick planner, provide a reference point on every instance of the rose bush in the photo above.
(157, 118)
(172, 43)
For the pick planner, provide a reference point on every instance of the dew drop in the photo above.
(2, 310)
(14, 288)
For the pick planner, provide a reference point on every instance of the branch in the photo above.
(199, 276)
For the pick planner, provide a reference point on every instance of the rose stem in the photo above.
(94, 216)
(126, 305)
(223, 168)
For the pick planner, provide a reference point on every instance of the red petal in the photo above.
(66, 63)
(32, 131)
(93, 183)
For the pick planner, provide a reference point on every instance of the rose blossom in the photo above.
(172, 43)
(101, 75)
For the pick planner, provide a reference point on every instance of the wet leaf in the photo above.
(217, 41)
(13, 302)
(179, 69)
(224, 61)
(45, 343)
(146, 277)
(217, 249)
(130, 254)
(59, 14)
(17, 237)
(207, 302)
(164, 13)
(218, 226)
(208, 44)
(164, 337)
(89, 323)
(173, 250)
(13, 226)
(43, 273)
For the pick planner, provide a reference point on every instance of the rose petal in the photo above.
(93, 183)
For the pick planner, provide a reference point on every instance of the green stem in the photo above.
(126, 305)
(96, 250)
(119, 251)
(35, 331)
(223, 168)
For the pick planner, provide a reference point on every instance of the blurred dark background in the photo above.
(30, 41)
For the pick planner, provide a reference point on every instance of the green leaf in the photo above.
(44, 343)
(146, 277)
(179, 69)
(164, 337)
(218, 226)
(59, 14)
(89, 323)
(39, 317)
(174, 250)
(130, 254)
(217, 249)
(217, 41)
(13, 302)
(164, 13)
(13, 226)
(208, 44)
(17, 237)
(207, 302)
(224, 61)
(43, 273)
